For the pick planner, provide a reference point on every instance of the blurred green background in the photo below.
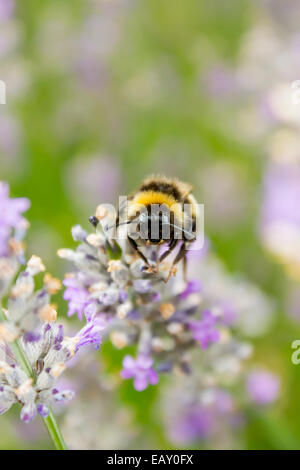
(101, 94)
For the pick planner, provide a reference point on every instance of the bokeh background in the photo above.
(101, 94)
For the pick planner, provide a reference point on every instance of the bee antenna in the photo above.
(182, 229)
(118, 224)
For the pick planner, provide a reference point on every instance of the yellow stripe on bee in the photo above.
(154, 197)
(146, 198)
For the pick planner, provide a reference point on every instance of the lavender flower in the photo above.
(111, 424)
(232, 299)
(204, 331)
(91, 333)
(28, 328)
(138, 306)
(10, 216)
(6, 9)
(48, 354)
(203, 413)
(280, 225)
(196, 423)
(192, 287)
(262, 387)
(76, 296)
(271, 114)
(26, 307)
(174, 325)
(141, 370)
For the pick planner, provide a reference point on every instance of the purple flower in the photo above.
(31, 337)
(28, 412)
(142, 286)
(155, 297)
(43, 410)
(204, 331)
(229, 313)
(58, 338)
(123, 296)
(224, 402)
(282, 195)
(10, 215)
(221, 82)
(62, 396)
(197, 254)
(6, 9)
(134, 315)
(191, 288)
(77, 296)
(141, 370)
(109, 297)
(91, 310)
(262, 387)
(202, 420)
(11, 209)
(196, 423)
(280, 219)
(91, 333)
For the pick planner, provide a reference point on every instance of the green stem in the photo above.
(54, 432)
(22, 359)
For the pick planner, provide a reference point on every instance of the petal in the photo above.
(28, 412)
(153, 377)
(144, 362)
(129, 362)
(4, 409)
(140, 383)
(127, 374)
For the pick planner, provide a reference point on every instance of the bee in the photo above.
(164, 212)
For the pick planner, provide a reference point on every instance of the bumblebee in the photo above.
(164, 212)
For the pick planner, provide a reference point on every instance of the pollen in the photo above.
(58, 369)
(48, 314)
(167, 310)
(114, 265)
(8, 333)
(35, 265)
(95, 239)
(16, 246)
(52, 284)
(101, 212)
(119, 339)
(24, 388)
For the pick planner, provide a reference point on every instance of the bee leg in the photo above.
(133, 244)
(181, 254)
(185, 268)
(172, 245)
